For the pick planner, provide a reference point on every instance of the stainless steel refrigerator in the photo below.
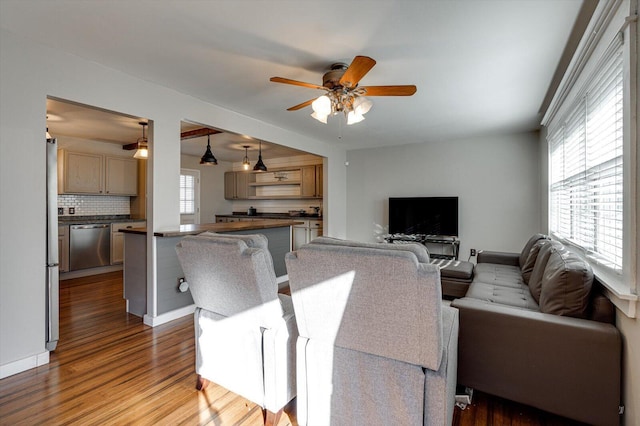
(52, 326)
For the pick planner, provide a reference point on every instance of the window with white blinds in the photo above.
(187, 194)
(585, 162)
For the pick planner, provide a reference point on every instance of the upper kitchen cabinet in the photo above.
(80, 173)
(236, 185)
(311, 181)
(121, 176)
(96, 174)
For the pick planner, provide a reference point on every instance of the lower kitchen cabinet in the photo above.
(117, 239)
(306, 232)
(63, 248)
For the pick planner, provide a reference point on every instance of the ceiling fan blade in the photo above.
(407, 90)
(302, 105)
(296, 83)
(358, 68)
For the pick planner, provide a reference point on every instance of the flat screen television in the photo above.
(423, 215)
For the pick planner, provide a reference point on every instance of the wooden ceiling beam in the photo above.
(198, 133)
(130, 146)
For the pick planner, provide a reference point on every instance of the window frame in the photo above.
(195, 174)
(610, 19)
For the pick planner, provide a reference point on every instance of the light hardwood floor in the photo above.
(109, 368)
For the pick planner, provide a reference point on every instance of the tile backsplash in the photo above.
(94, 205)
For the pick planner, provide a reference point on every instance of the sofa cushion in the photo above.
(456, 269)
(496, 274)
(535, 280)
(518, 297)
(527, 247)
(566, 285)
(527, 267)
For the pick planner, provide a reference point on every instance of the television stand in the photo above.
(450, 245)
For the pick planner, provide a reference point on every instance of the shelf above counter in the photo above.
(279, 184)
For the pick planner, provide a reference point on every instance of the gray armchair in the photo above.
(376, 345)
(245, 331)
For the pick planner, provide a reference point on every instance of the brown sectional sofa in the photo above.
(534, 328)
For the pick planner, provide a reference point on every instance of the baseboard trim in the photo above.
(169, 316)
(25, 364)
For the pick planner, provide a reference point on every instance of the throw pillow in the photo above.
(527, 267)
(566, 285)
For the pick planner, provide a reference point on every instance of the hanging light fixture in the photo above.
(260, 167)
(208, 159)
(142, 151)
(245, 161)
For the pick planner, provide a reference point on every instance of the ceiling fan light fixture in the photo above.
(343, 94)
(260, 166)
(208, 159)
(353, 118)
(321, 118)
(245, 161)
(362, 105)
(142, 151)
(322, 105)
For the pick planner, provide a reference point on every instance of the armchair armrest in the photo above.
(564, 365)
(279, 345)
(499, 257)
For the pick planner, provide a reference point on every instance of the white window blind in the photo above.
(585, 161)
(187, 194)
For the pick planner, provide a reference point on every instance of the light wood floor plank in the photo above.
(111, 369)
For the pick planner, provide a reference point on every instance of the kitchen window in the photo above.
(189, 196)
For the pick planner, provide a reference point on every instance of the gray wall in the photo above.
(496, 179)
(25, 87)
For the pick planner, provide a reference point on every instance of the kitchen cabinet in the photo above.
(235, 185)
(117, 239)
(226, 219)
(81, 173)
(63, 248)
(96, 174)
(311, 181)
(121, 176)
(306, 232)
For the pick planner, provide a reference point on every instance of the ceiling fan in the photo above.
(343, 93)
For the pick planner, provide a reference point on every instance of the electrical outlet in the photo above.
(60, 210)
(183, 285)
(72, 210)
(473, 252)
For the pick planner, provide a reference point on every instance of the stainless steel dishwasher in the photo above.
(89, 246)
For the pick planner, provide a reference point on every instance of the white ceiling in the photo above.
(481, 67)
(84, 122)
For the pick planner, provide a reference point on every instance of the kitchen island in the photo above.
(165, 300)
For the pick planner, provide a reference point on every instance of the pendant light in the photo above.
(142, 151)
(245, 161)
(208, 159)
(260, 167)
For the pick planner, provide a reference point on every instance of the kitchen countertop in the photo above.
(270, 215)
(84, 220)
(215, 227)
